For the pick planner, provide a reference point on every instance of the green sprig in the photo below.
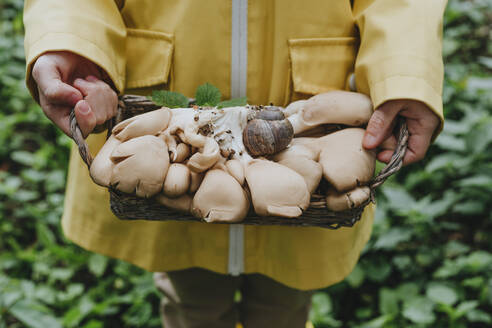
(207, 95)
(169, 99)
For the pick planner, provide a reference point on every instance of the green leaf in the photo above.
(169, 99)
(356, 277)
(23, 157)
(393, 237)
(477, 315)
(234, 102)
(94, 324)
(442, 294)
(207, 95)
(34, 315)
(97, 264)
(419, 310)
(466, 306)
(388, 301)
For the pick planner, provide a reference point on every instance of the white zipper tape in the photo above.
(239, 74)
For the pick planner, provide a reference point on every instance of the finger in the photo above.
(103, 101)
(389, 143)
(385, 155)
(85, 117)
(417, 148)
(387, 149)
(380, 124)
(85, 86)
(59, 115)
(51, 88)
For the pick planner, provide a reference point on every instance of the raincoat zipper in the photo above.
(239, 69)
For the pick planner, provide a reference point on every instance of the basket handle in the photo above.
(396, 161)
(79, 140)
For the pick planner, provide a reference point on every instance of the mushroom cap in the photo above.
(294, 107)
(182, 153)
(206, 158)
(177, 180)
(140, 166)
(102, 166)
(346, 164)
(195, 181)
(150, 123)
(336, 201)
(220, 198)
(334, 107)
(340, 107)
(276, 189)
(310, 170)
(296, 150)
(236, 169)
(181, 203)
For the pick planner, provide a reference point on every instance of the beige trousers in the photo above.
(196, 298)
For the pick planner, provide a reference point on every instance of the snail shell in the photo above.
(270, 113)
(263, 137)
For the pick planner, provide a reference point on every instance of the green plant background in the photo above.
(428, 264)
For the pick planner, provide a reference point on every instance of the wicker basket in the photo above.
(131, 207)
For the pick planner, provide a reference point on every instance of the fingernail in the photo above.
(91, 78)
(369, 139)
(84, 109)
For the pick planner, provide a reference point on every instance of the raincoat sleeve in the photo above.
(93, 29)
(400, 51)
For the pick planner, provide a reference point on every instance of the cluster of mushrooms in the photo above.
(216, 162)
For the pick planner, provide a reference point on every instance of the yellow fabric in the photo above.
(180, 44)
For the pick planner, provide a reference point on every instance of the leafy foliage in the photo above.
(241, 101)
(169, 99)
(207, 95)
(428, 264)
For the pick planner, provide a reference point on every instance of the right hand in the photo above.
(66, 81)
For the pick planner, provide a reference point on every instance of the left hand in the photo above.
(421, 122)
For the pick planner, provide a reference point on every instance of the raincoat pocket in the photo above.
(148, 58)
(319, 64)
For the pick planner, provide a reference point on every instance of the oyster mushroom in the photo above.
(236, 169)
(346, 164)
(220, 198)
(150, 123)
(102, 166)
(181, 203)
(195, 181)
(310, 170)
(304, 161)
(296, 150)
(182, 153)
(276, 189)
(336, 201)
(177, 180)
(334, 107)
(140, 166)
(208, 155)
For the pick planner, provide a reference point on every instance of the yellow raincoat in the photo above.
(273, 51)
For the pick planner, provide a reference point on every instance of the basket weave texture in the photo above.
(130, 207)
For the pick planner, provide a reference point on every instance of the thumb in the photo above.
(86, 118)
(380, 124)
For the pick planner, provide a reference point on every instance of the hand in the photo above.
(59, 76)
(421, 122)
